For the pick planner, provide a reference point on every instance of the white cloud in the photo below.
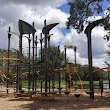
(80, 40)
(35, 3)
(38, 11)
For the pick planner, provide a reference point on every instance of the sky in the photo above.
(53, 11)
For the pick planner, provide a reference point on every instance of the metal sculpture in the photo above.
(24, 28)
(88, 33)
(45, 31)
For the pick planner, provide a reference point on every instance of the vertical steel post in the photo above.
(41, 40)
(75, 61)
(17, 69)
(9, 36)
(65, 70)
(90, 64)
(49, 60)
(36, 64)
(88, 33)
(59, 77)
(20, 57)
(29, 81)
(33, 62)
(45, 59)
(53, 61)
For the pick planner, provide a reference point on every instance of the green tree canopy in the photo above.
(80, 10)
(108, 54)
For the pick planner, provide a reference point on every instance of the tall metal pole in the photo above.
(36, 46)
(36, 63)
(29, 81)
(41, 40)
(9, 36)
(90, 64)
(49, 60)
(45, 59)
(53, 61)
(33, 62)
(17, 69)
(65, 71)
(20, 57)
(75, 60)
(75, 54)
(59, 70)
(88, 33)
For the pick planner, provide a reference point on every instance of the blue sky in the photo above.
(65, 8)
(57, 11)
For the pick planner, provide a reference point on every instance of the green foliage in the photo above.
(108, 55)
(58, 62)
(80, 10)
(84, 75)
(70, 46)
(55, 56)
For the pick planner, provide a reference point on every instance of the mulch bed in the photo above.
(61, 102)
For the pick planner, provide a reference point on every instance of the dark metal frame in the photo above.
(88, 33)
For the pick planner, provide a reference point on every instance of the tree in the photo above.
(80, 10)
(53, 55)
(108, 54)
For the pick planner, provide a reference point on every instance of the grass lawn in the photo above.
(85, 83)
